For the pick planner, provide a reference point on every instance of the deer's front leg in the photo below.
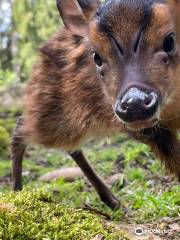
(105, 194)
(18, 147)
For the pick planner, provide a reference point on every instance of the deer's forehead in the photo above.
(161, 23)
(125, 18)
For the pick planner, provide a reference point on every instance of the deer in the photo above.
(113, 68)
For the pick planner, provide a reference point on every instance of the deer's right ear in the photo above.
(76, 14)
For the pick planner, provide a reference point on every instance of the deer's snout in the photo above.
(136, 105)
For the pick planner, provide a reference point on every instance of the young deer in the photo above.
(114, 67)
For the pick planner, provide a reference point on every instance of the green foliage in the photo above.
(7, 78)
(5, 34)
(31, 23)
(37, 215)
(4, 141)
(34, 22)
(7, 123)
(149, 205)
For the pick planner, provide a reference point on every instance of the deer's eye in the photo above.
(169, 43)
(97, 59)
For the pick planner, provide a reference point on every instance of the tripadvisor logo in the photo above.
(139, 231)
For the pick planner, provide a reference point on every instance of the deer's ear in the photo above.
(89, 7)
(76, 14)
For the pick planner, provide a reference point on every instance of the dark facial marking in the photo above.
(112, 10)
(117, 45)
(138, 40)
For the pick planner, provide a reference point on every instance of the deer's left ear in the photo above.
(77, 13)
(176, 10)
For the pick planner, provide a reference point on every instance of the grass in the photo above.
(143, 186)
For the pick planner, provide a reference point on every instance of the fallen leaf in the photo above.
(68, 174)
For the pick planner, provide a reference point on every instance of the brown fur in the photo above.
(64, 101)
(68, 103)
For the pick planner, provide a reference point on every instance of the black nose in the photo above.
(136, 105)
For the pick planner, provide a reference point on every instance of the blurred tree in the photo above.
(30, 22)
(5, 34)
(33, 22)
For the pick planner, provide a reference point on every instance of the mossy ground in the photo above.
(38, 215)
(143, 186)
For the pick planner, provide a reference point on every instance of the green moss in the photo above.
(37, 215)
